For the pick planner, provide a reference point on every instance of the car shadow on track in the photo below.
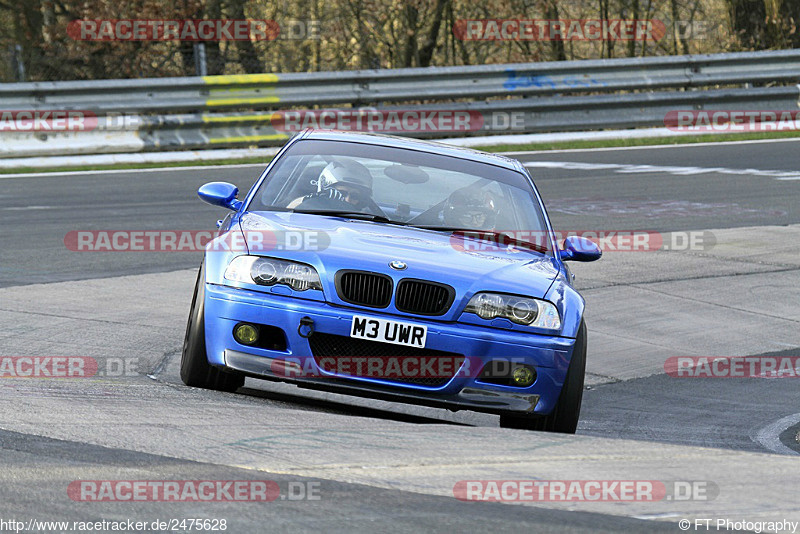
(342, 408)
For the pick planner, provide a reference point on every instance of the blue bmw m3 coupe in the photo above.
(395, 269)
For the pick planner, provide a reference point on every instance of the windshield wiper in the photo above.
(352, 215)
(500, 239)
(271, 208)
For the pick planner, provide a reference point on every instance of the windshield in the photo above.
(402, 186)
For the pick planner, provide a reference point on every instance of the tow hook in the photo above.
(306, 322)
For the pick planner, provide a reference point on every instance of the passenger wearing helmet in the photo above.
(341, 186)
(470, 208)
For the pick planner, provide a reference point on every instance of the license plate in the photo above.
(385, 331)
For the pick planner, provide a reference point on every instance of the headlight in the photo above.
(521, 310)
(271, 271)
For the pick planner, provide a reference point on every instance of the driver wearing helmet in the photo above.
(470, 208)
(341, 186)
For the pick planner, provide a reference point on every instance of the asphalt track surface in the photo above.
(383, 466)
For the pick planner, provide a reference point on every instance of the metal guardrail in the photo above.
(264, 91)
(559, 96)
(545, 114)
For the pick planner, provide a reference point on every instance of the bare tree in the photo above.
(748, 22)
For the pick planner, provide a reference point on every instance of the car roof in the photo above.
(412, 144)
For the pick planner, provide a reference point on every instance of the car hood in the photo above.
(334, 243)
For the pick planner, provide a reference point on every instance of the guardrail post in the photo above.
(200, 64)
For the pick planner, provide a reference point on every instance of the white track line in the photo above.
(769, 436)
(646, 147)
(674, 170)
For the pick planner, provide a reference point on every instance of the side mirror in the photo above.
(580, 249)
(220, 194)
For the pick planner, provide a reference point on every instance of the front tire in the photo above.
(564, 418)
(195, 369)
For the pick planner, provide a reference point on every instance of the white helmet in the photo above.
(348, 173)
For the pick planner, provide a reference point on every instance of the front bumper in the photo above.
(549, 355)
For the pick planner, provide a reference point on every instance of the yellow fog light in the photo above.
(523, 376)
(246, 334)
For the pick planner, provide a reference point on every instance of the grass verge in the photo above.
(134, 166)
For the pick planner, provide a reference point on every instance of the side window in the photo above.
(276, 183)
(526, 218)
(504, 206)
(296, 176)
(304, 181)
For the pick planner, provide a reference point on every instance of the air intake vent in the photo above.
(423, 298)
(364, 288)
(328, 348)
